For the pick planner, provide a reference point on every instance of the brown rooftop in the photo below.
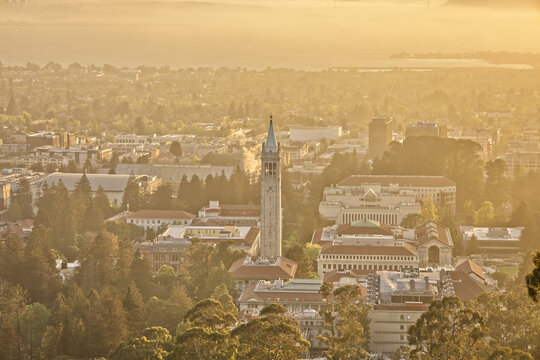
(468, 266)
(405, 250)
(285, 269)
(402, 180)
(432, 231)
(465, 287)
(350, 229)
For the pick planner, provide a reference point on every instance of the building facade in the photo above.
(271, 214)
(383, 198)
(380, 135)
(155, 219)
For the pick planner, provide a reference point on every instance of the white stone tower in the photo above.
(270, 196)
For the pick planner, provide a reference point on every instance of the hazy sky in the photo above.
(302, 34)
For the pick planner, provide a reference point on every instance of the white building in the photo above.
(155, 219)
(243, 237)
(314, 133)
(383, 198)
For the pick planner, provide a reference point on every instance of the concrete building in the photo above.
(434, 245)
(380, 135)
(384, 198)
(425, 129)
(493, 241)
(314, 133)
(226, 214)
(339, 256)
(156, 219)
(389, 325)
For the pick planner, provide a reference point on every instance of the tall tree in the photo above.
(346, 319)
(448, 331)
(273, 335)
(429, 210)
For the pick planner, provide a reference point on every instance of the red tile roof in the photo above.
(406, 250)
(160, 214)
(302, 296)
(285, 269)
(468, 266)
(252, 235)
(402, 180)
(465, 287)
(431, 231)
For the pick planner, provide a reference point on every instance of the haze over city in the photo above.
(255, 34)
(270, 180)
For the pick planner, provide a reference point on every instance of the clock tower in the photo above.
(270, 196)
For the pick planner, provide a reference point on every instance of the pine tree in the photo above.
(134, 308)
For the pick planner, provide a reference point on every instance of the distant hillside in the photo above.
(493, 3)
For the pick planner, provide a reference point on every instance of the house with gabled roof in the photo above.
(434, 245)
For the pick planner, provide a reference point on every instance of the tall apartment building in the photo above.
(384, 198)
(380, 135)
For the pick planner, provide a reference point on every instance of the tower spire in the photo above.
(271, 144)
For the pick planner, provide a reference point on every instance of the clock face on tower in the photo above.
(270, 189)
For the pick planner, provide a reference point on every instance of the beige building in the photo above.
(366, 257)
(390, 323)
(383, 198)
(434, 245)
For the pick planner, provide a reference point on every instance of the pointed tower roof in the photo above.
(270, 145)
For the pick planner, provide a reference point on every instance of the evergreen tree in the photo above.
(176, 149)
(134, 308)
(346, 319)
(103, 203)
